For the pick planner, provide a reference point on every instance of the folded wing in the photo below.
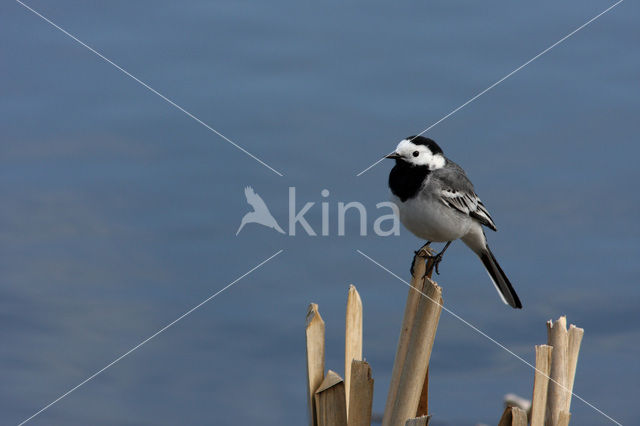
(467, 202)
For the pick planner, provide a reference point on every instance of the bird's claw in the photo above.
(436, 262)
(425, 252)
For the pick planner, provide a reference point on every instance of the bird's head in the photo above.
(419, 151)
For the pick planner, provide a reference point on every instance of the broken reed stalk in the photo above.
(541, 384)
(553, 381)
(555, 372)
(564, 361)
(416, 342)
(418, 354)
(423, 405)
(575, 340)
(352, 337)
(327, 395)
(419, 269)
(331, 409)
(361, 394)
(513, 416)
(557, 394)
(315, 357)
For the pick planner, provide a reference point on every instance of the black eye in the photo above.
(416, 153)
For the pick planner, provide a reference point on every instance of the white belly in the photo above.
(431, 220)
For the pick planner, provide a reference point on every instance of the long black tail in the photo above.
(500, 280)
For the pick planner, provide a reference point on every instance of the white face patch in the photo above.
(424, 157)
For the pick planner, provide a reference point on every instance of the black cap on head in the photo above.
(429, 143)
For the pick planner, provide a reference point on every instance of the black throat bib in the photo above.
(406, 180)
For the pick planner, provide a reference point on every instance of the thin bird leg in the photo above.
(424, 252)
(438, 257)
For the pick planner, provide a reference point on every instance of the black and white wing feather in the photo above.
(456, 191)
(467, 203)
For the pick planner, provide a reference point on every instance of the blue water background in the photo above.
(118, 212)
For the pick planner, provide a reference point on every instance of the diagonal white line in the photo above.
(163, 329)
(151, 89)
(482, 333)
(505, 77)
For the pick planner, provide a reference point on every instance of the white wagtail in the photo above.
(437, 203)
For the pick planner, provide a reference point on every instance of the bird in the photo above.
(260, 213)
(437, 203)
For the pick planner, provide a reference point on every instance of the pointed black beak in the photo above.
(393, 156)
